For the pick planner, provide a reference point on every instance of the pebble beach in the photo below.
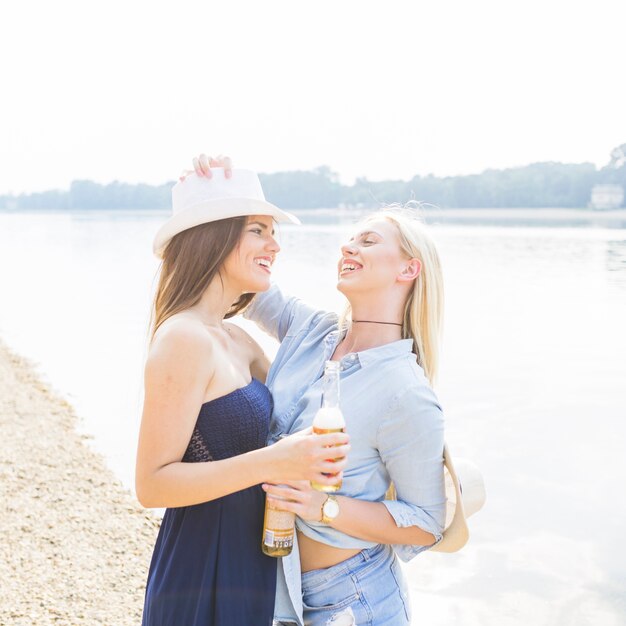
(75, 544)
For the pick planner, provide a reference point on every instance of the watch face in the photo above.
(331, 508)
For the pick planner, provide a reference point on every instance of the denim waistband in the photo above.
(357, 562)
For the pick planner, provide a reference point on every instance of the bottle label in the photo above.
(278, 538)
(278, 529)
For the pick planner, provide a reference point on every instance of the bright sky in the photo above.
(131, 90)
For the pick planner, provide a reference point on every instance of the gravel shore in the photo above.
(74, 544)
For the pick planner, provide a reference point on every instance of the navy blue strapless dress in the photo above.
(208, 568)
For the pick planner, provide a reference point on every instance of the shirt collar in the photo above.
(371, 355)
(386, 351)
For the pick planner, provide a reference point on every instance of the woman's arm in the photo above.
(179, 371)
(373, 522)
(277, 314)
(410, 442)
(370, 521)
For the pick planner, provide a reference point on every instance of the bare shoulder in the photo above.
(181, 340)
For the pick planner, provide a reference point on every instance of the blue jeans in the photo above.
(367, 589)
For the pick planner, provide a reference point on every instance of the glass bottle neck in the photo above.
(330, 385)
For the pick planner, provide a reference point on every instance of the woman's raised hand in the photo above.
(202, 166)
(305, 456)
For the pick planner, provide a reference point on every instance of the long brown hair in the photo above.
(191, 260)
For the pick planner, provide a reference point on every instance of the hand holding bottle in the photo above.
(305, 453)
(304, 456)
(302, 497)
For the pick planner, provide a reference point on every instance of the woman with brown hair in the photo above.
(201, 451)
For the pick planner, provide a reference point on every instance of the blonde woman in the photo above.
(206, 413)
(346, 570)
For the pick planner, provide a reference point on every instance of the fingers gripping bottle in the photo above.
(329, 419)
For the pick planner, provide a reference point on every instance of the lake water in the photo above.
(533, 384)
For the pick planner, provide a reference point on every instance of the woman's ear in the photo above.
(411, 270)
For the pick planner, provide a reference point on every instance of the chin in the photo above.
(344, 285)
(257, 286)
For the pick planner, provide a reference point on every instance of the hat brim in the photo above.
(456, 535)
(212, 211)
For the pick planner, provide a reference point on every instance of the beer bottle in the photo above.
(329, 418)
(278, 530)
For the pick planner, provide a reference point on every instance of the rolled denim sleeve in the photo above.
(276, 313)
(410, 441)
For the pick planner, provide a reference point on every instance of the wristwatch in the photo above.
(330, 509)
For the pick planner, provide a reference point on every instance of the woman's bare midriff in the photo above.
(316, 555)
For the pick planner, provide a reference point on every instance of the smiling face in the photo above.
(372, 260)
(249, 264)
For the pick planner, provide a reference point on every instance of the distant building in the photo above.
(607, 197)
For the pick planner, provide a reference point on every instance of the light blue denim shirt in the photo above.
(395, 423)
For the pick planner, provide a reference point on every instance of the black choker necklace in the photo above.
(371, 322)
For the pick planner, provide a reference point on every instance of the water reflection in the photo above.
(532, 387)
(616, 261)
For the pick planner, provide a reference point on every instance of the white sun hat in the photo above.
(465, 492)
(197, 200)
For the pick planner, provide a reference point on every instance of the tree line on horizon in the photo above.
(537, 185)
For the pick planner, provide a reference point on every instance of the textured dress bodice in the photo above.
(231, 425)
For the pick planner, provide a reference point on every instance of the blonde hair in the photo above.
(423, 310)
